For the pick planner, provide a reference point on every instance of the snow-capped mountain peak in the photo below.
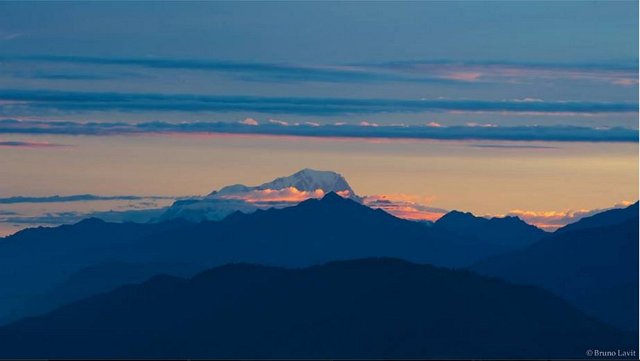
(305, 180)
(280, 192)
(310, 180)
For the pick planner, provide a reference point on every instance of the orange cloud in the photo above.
(285, 195)
(552, 220)
(405, 206)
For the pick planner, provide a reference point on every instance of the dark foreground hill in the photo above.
(372, 308)
(593, 265)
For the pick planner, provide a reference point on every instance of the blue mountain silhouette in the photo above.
(593, 264)
(371, 308)
(36, 261)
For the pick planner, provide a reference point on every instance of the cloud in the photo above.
(30, 145)
(511, 146)
(441, 71)
(10, 36)
(466, 76)
(34, 101)
(75, 198)
(57, 218)
(522, 133)
(248, 71)
(278, 122)
(626, 82)
(249, 121)
(404, 206)
(621, 74)
(552, 220)
(270, 196)
(481, 125)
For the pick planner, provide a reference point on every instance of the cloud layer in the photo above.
(441, 71)
(404, 206)
(29, 144)
(361, 130)
(552, 220)
(24, 101)
(76, 198)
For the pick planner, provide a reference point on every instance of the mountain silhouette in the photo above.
(39, 261)
(97, 279)
(606, 218)
(506, 232)
(371, 308)
(594, 268)
(239, 197)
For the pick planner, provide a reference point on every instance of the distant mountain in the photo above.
(372, 308)
(314, 231)
(95, 280)
(594, 268)
(307, 180)
(281, 192)
(606, 218)
(197, 210)
(37, 261)
(507, 232)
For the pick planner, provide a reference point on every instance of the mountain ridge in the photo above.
(342, 309)
(582, 265)
(314, 231)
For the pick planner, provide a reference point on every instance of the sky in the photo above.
(524, 108)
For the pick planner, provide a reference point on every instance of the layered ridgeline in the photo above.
(589, 264)
(592, 263)
(41, 267)
(372, 308)
(279, 193)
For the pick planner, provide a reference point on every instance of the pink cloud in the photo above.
(405, 206)
(464, 75)
(249, 121)
(434, 125)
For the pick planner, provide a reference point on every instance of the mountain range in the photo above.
(98, 282)
(312, 232)
(371, 308)
(593, 264)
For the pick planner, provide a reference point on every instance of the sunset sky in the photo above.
(527, 109)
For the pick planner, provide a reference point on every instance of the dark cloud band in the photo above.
(32, 100)
(76, 198)
(522, 133)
